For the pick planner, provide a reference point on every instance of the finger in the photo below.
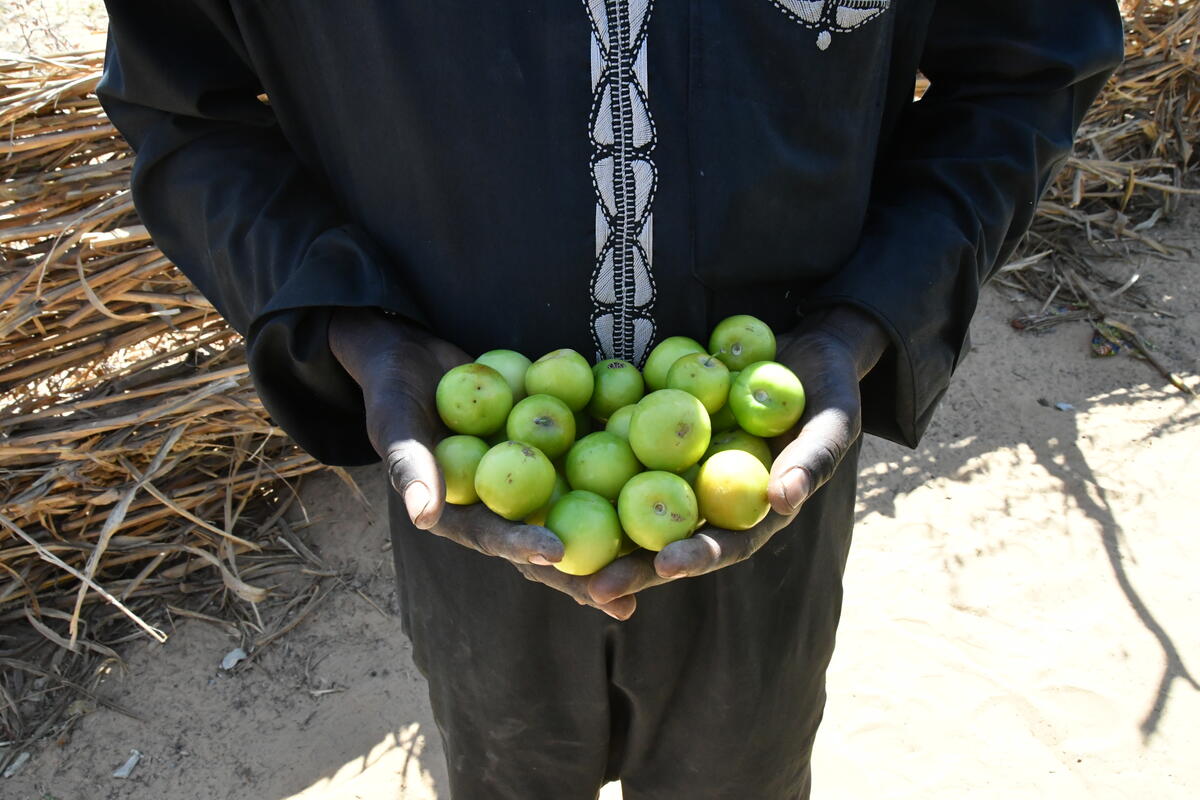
(531, 544)
(624, 577)
(414, 474)
(810, 459)
(575, 586)
(480, 529)
(711, 549)
(703, 551)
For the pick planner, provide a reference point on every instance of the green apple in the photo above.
(741, 340)
(703, 377)
(669, 431)
(618, 422)
(657, 508)
(458, 456)
(560, 491)
(724, 420)
(544, 422)
(564, 374)
(740, 440)
(766, 399)
(473, 399)
(589, 529)
(514, 479)
(731, 490)
(666, 353)
(618, 384)
(690, 474)
(512, 366)
(601, 462)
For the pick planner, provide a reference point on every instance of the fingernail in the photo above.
(540, 560)
(417, 498)
(795, 486)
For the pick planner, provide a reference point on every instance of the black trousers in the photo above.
(713, 689)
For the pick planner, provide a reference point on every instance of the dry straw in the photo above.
(1131, 167)
(141, 480)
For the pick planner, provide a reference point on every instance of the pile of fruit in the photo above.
(683, 442)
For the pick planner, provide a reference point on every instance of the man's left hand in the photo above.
(831, 353)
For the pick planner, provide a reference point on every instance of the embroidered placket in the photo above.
(623, 178)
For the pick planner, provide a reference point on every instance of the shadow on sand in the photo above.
(999, 388)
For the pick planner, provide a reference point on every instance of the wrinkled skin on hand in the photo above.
(830, 353)
(398, 367)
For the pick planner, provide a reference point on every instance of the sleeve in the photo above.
(959, 183)
(228, 200)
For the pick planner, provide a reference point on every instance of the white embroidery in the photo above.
(839, 16)
(623, 178)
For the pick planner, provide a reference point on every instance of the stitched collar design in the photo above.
(838, 16)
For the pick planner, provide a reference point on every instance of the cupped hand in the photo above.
(398, 367)
(830, 353)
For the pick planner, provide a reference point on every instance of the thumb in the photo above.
(414, 474)
(810, 459)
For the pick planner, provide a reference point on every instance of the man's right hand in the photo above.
(398, 367)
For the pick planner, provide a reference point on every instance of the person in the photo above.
(374, 192)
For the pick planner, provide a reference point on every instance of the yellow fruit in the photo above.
(731, 490)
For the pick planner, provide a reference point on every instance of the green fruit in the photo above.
(731, 490)
(740, 440)
(544, 422)
(703, 377)
(741, 340)
(618, 384)
(669, 431)
(662, 357)
(473, 399)
(560, 490)
(458, 457)
(657, 508)
(514, 479)
(601, 462)
(564, 374)
(767, 399)
(618, 422)
(511, 365)
(690, 474)
(589, 529)
(724, 420)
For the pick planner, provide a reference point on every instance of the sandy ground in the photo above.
(50, 26)
(1020, 617)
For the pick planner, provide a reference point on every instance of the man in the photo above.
(431, 180)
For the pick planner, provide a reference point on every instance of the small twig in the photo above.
(46, 555)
